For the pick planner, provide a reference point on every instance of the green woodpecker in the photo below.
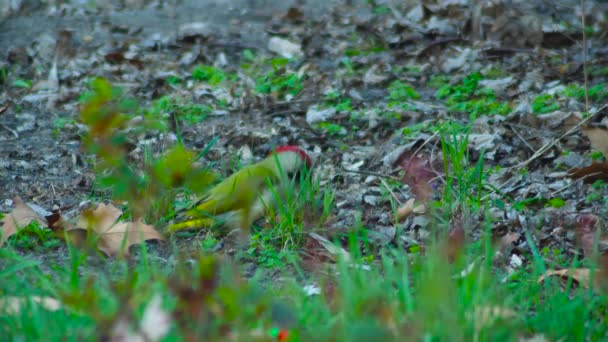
(242, 198)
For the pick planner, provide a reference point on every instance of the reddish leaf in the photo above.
(586, 230)
(456, 239)
(591, 173)
(418, 175)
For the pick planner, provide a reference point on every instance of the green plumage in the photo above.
(233, 201)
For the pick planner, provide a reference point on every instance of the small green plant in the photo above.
(596, 155)
(332, 129)
(410, 70)
(348, 66)
(61, 123)
(495, 72)
(598, 92)
(209, 74)
(209, 243)
(599, 71)
(469, 97)
(173, 80)
(188, 112)
(438, 81)
(34, 236)
(544, 103)
(267, 252)
(400, 93)
(279, 81)
(462, 91)
(341, 104)
(598, 192)
(21, 83)
(3, 75)
(379, 9)
(464, 184)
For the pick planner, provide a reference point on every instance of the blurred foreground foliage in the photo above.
(148, 184)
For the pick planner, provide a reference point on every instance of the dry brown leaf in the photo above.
(21, 216)
(598, 137)
(99, 220)
(581, 275)
(113, 238)
(122, 235)
(591, 173)
(408, 208)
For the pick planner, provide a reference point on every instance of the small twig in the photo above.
(497, 189)
(520, 137)
(425, 142)
(585, 57)
(547, 146)
(369, 173)
(570, 184)
(391, 191)
(10, 130)
(287, 103)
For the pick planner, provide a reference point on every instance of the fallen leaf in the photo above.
(409, 208)
(506, 242)
(598, 137)
(21, 216)
(587, 232)
(579, 275)
(591, 173)
(12, 305)
(418, 175)
(114, 238)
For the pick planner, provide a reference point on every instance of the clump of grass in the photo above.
(297, 209)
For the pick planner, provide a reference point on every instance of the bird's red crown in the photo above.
(295, 149)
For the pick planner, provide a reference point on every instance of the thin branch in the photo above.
(369, 173)
(547, 146)
(585, 57)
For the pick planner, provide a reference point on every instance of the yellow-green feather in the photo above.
(237, 193)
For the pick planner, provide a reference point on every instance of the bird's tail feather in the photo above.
(193, 223)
